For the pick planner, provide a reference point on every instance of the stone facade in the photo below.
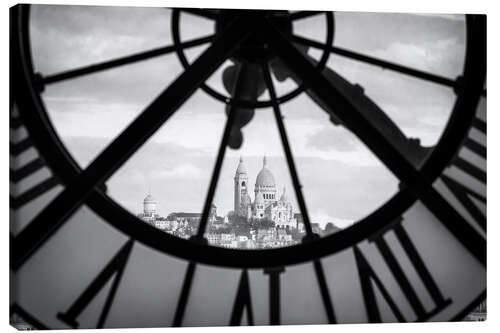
(266, 204)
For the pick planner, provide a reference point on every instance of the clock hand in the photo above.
(244, 82)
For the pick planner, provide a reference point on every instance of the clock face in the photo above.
(81, 257)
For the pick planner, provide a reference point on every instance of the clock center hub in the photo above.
(253, 49)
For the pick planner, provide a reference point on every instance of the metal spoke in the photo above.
(377, 62)
(216, 172)
(288, 151)
(122, 61)
(118, 152)
(372, 138)
(205, 13)
(303, 14)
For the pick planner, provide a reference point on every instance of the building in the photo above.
(266, 204)
(149, 212)
(268, 221)
(178, 223)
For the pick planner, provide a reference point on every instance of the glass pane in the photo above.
(342, 180)
(66, 37)
(432, 43)
(255, 202)
(89, 111)
(419, 108)
(165, 182)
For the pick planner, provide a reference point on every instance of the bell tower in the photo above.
(240, 186)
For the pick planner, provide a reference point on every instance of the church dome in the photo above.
(149, 199)
(265, 177)
(259, 199)
(241, 168)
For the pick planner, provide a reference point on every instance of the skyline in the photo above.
(90, 111)
(283, 183)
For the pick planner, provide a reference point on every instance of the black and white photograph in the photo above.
(185, 166)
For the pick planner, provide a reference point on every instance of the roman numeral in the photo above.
(34, 192)
(464, 194)
(183, 298)
(325, 294)
(26, 170)
(115, 267)
(16, 309)
(476, 147)
(15, 122)
(323, 286)
(243, 300)
(470, 169)
(19, 174)
(367, 274)
(479, 124)
(20, 147)
(460, 190)
(274, 294)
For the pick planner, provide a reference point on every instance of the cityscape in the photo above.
(267, 221)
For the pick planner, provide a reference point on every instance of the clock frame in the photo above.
(421, 185)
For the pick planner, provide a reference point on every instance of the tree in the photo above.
(238, 220)
(262, 223)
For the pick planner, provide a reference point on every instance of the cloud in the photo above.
(181, 171)
(103, 104)
(406, 100)
(441, 56)
(342, 180)
(332, 138)
(179, 179)
(87, 34)
(365, 32)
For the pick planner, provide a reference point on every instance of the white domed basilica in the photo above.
(265, 205)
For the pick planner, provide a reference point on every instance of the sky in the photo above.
(342, 180)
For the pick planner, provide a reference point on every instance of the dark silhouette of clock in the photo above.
(79, 259)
